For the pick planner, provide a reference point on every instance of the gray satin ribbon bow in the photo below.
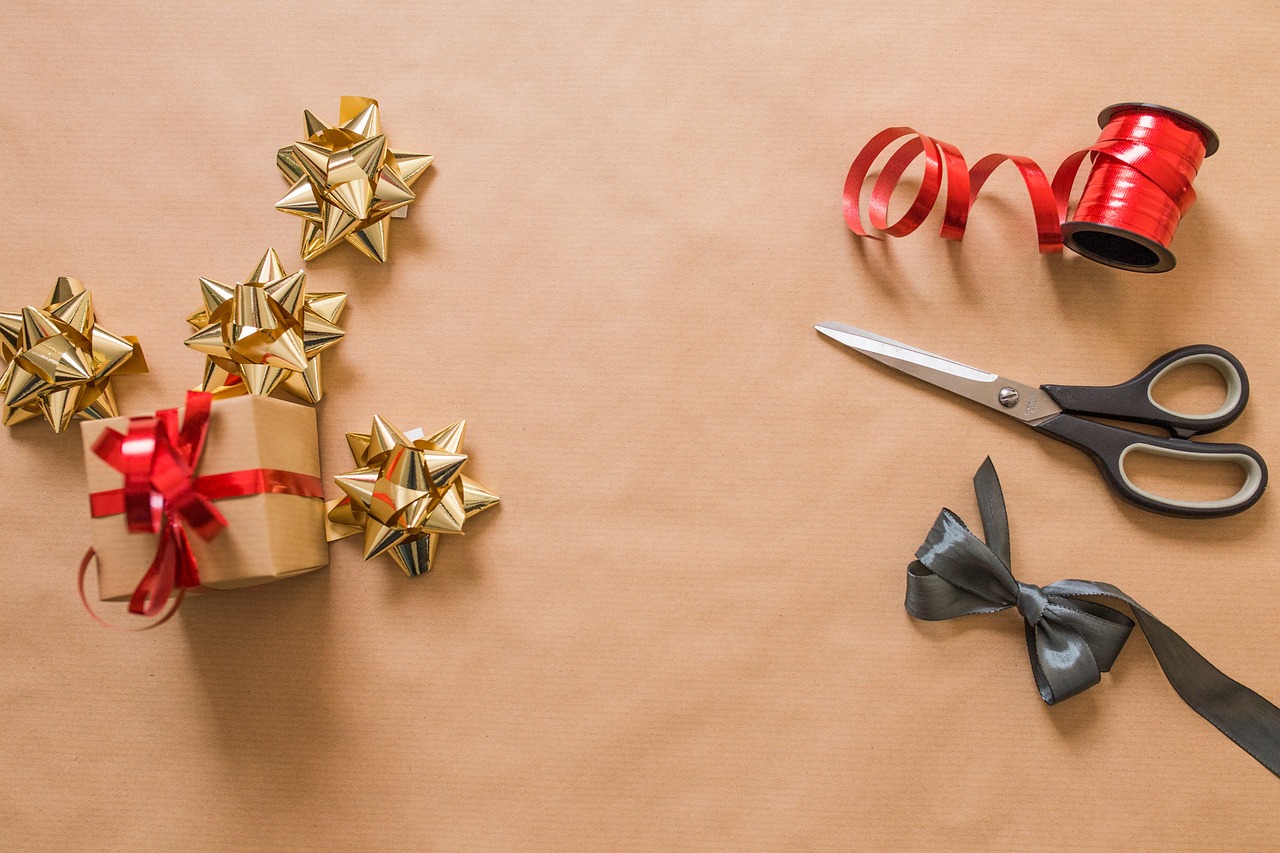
(1072, 641)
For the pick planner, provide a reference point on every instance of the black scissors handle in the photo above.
(1110, 447)
(1132, 401)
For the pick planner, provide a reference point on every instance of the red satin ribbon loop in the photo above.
(1140, 178)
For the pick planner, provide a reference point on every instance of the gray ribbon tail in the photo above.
(1235, 710)
(995, 519)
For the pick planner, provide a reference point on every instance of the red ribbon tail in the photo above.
(185, 574)
(174, 566)
(89, 557)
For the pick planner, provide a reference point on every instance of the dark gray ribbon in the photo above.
(1072, 641)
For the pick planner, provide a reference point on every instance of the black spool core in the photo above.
(1116, 247)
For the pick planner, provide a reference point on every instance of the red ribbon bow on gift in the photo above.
(161, 494)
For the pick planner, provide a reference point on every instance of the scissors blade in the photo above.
(1027, 403)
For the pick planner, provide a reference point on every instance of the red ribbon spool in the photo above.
(1138, 189)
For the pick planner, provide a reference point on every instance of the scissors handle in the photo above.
(1110, 447)
(1132, 401)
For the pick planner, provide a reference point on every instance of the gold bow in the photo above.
(347, 181)
(61, 362)
(406, 493)
(264, 332)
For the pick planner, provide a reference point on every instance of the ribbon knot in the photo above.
(1031, 602)
(1072, 640)
(158, 459)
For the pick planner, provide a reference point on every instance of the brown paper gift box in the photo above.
(267, 537)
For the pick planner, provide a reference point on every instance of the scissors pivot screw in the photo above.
(1008, 397)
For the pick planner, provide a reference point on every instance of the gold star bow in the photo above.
(61, 362)
(346, 181)
(264, 332)
(406, 493)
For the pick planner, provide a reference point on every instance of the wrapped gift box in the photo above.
(268, 536)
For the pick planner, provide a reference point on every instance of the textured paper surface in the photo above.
(267, 537)
(683, 627)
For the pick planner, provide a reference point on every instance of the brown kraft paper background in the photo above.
(683, 627)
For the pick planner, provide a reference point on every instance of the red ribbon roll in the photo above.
(161, 494)
(1138, 188)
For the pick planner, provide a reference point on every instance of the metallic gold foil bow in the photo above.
(1071, 638)
(346, 181)
(406, 493)
(61, 362)
(265, 332)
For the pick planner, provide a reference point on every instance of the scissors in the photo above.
(1056, 410)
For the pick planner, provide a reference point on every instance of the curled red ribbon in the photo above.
(1139, 186)
(162, 495)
